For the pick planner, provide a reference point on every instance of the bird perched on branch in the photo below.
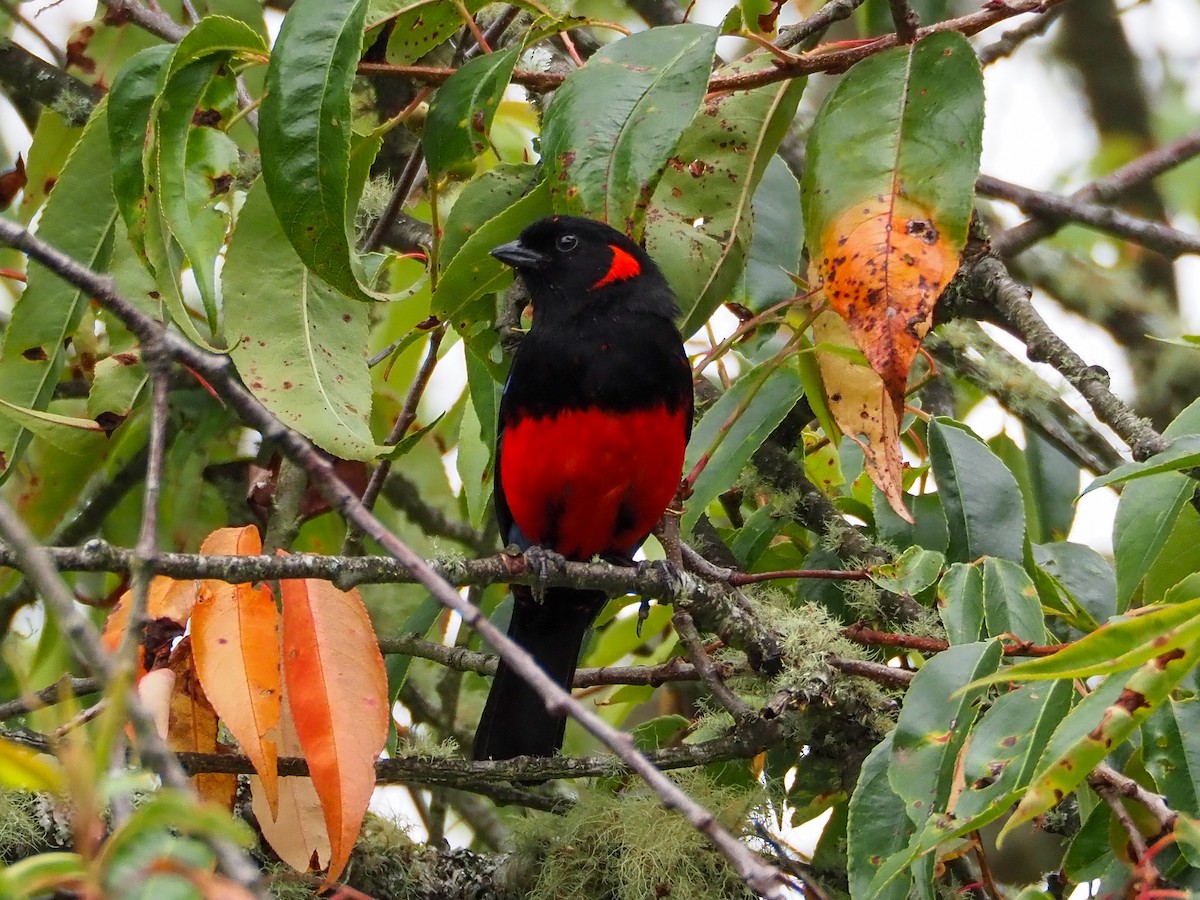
(593, 424)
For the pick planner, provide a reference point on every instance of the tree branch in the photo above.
(218, 372)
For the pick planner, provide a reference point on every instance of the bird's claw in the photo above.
(543, 563)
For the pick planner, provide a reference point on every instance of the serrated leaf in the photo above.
(699, 224)
(337, 687)
(1145, 690)
(305, 137)
(982, 501)
(1171, 750)
(1146, 514)
(1183, 453)
(235, 644)
(1132, 640)
(300, 346)
(960, 603)
(732, 429)
(78, 220)
(911, 572)
(1010, 602)
(461, 113)
(877, 826)
(610, 128)
(933, 724)
(888, 190)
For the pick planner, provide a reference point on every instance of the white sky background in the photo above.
(1037, 134)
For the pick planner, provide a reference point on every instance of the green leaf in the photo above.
(1179, 557)
(699, 224)
(732, 429)
(1183, 453)
(913, 571)
(420, 25)
(878, 826)
(1053, 478)
(610, 128)
(474, 273)
(300, 345)
(1146, 514)
(53, 140)
(193, 170)
(461, 113)
(305, 136)
(907, 120)
(1010, 602)
(1145, 690)
(983, 504)
(929, 530)
(131, 105)
(933, 723)
(960, 603)
(37, 875)
(23, 769)
(118, 382)
(482, 199)
(78, 220)
(1122, 643)
(777, 242)
(1085, 574)
(1171, 750)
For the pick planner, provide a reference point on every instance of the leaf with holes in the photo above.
(610, 128)
(338, 690)
(888, 189)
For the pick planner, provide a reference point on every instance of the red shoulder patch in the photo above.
(623, 266)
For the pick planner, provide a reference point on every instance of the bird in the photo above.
(593, 425)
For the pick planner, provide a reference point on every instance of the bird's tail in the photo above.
(515, 721)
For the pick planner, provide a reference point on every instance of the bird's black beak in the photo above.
(517, 255)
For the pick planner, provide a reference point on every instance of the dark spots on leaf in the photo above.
(35, 354)
(222, 640)
(125, 359)
(154, 295)
(109, 421)
(206, 118)
(77, 50)
(1010, 741)
(287, 385)
(220, 185)
(1164, 659)
(116, 16)
(479, 121)
(1131, 701)
(48, 184)
(347, 318)
(922, 230)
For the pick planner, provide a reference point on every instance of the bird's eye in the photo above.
(567, 242)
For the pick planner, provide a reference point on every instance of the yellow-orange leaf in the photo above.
(235, 641)
(193, 725)
(337, 687)
(242, 541)
(296, 831)
(166, 599)
(882, 265)
(863, 410)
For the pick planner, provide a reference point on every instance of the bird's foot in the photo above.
(543, 563)
(662, 572)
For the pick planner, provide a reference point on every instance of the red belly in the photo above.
(588, 482)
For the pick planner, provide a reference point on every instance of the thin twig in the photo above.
(906, 20)
(1155, 804)
(685, 628)
(414, 167)
(218, 371)
(988, 278)
(84, 641)
(59, 692)
(818, 23)
(1059, 210)
(1008, 42)
(156, 23)
(1145, 168)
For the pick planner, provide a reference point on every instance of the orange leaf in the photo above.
(338, 689)
(167, 599)
(235, 641)
(862, 409)
(296, 832)
(193, 725)
(882, 265)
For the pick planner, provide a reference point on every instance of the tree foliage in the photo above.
(862, 614)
